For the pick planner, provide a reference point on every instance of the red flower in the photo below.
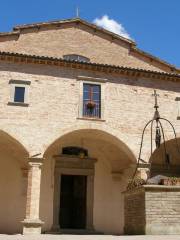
(90, 105)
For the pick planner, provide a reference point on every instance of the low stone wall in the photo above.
(152, 209)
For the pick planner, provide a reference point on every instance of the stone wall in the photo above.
(163, 210)
(152, 210)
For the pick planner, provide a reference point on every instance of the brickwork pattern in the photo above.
(134, 209)
(153, 210)
(163, 212)
(56, 42)
(130, 106)
(54, 95)
(54, 106)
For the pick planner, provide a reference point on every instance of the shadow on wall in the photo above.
(13, 183)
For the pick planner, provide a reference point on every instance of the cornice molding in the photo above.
(109, 69)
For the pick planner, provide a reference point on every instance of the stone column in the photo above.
(32, 224)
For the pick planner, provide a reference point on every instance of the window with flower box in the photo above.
(91, 100)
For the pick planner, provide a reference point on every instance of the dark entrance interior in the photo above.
(73, 202)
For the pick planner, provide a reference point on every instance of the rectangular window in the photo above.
(91, 100)
(19, 94)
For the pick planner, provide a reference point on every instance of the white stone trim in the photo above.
(92, 79)
(19, 83)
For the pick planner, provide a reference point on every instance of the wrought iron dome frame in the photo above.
(159, 135)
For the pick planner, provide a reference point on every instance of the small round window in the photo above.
(75, 57)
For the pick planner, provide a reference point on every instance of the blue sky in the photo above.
(153, 24)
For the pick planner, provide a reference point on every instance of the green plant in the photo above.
(135, 183)
(171, 181)
(174, 180)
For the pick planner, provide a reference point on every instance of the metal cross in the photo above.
(156, 102)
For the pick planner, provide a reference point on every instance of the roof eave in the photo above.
(43, 60)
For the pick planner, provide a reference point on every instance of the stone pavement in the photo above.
(87, 237)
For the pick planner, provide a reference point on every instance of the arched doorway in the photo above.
(106, 170)
(13, 179)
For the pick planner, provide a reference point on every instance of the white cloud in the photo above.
(111, 25)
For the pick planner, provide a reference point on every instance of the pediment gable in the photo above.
(76, 36)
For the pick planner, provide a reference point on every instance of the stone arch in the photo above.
(117, 137)
(14, 145)
(114, 158)
(13, 180)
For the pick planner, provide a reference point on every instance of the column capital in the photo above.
(35, 161)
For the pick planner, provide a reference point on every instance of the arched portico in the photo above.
(112, 169)
(13, 183)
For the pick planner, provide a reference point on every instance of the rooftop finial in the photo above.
(77, 12)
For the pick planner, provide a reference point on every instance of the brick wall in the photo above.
(134, 212)
(153, 210)
(78, 39)
(54, 106)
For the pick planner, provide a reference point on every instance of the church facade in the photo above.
(74, 99)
